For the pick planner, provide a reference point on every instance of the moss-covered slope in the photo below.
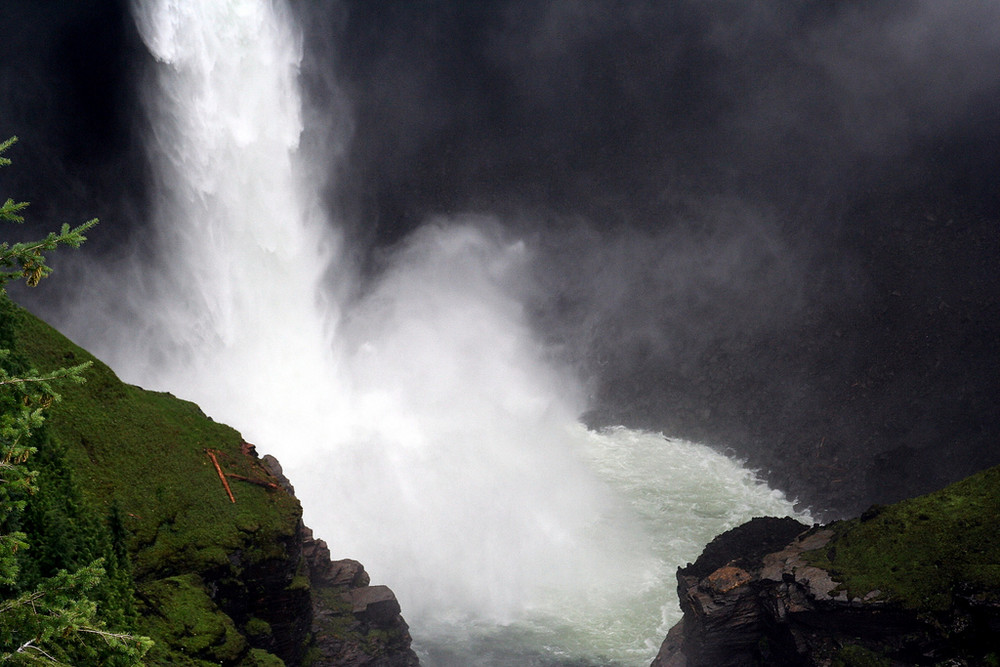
(225, 573)
(921, 552)
(148, 452)
(202, 563)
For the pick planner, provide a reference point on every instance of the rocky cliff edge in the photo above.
(224, 571)
(914, 583)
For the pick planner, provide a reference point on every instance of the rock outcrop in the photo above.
(353, 623)
(224, 571)
(347, 620)
(915, 583)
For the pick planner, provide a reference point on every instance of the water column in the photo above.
(424, 427)
(428, 430)
(237, 310)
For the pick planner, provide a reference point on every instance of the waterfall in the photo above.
(242, 243)
(428, 430)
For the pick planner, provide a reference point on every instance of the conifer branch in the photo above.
(72, 373)
(57, 611)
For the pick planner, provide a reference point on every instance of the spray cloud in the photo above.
(684, 179)
(425, 428)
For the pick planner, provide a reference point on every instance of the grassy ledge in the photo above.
(147, 453)
(920, 552)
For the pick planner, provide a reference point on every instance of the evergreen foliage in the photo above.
(69, 599)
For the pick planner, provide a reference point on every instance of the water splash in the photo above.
(429, 433)
(423, 425)
(238, 309)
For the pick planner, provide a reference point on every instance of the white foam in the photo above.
(428, 432)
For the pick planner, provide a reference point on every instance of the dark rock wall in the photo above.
(353, 623)
(268, 591)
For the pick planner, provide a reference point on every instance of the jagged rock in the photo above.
(314, 609)
(353, 623)
(375, 605)
(743, 607)
(780, 611)
(723, 618)
(347, 573)
(274, 467)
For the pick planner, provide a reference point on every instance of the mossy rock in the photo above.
(919, 553)
(260, 658)
(147, 453)
(257, 627)
(859, 656)
(189, 627)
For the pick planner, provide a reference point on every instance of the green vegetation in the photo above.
(146, 453)
(69, 600)
(189, 623)
(143, 456)
(920, 552)
(859, 656)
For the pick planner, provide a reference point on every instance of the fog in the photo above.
(743, 217)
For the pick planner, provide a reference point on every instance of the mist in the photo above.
(427, 253)
(741, 220)
(748, 215)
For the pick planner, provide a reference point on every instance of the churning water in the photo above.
(428, 431)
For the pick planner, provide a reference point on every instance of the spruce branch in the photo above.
(27, 257)
(71, 373)
(44, 622)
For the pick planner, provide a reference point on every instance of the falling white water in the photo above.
(236, 310)
(428, 432)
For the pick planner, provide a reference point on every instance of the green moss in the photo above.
(919, 551)
(311, 657)
(189, 627)
(261, 658)
(377, 641)
(256, 627)
(334, 599)
(145, 452)
(858, 656)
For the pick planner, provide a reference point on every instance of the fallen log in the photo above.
(258, 482)
(225, 483)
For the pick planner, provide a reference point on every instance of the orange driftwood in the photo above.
(258, 482)
(225, 483)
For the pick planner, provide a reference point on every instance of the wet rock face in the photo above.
(723, 615)
(375, 605)
(309, 609)
(335, 616)
(745, 545)
(265, 592)
(353, 623)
